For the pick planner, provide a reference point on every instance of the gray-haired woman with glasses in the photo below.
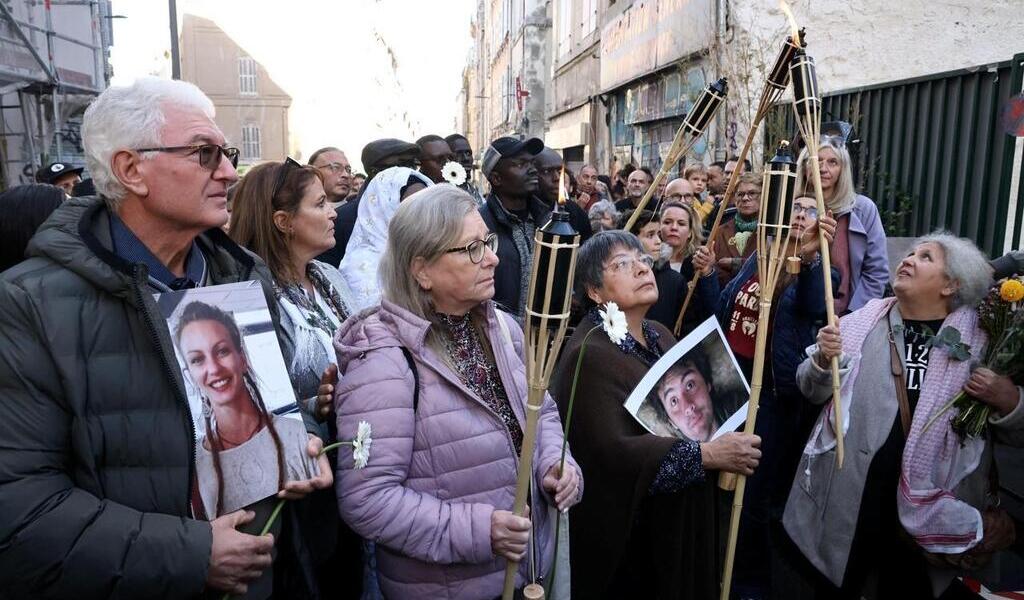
(648, 532)
(437, 371)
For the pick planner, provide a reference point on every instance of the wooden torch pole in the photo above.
(775, 84)
(546, 319)
(777, 191)
(807, 109)
(693, 126)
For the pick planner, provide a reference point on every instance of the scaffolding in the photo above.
(54, 59)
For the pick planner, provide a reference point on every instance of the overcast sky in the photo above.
(331, 56)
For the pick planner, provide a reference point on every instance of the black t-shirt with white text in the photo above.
(915, 352)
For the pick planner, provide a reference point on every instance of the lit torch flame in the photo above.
(794, 28)
(561, 188)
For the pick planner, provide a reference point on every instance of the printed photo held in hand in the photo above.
(250, 437)
(696, 391)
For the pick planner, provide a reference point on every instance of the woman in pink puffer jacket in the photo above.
(442, 469)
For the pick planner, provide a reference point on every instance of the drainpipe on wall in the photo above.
(721, 119)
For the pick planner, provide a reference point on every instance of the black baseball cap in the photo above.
(378, 150)
(55, 170)
(505, 147)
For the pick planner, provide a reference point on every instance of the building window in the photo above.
(251, 148)
(564, 27)
(517, 17)
(589, 17)
(247, 76)
(506, 97)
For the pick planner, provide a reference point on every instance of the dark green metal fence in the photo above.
(933, 153)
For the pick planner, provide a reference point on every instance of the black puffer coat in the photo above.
(96, 441)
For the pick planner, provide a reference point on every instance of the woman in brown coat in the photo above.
(736, 240)
(646, 527)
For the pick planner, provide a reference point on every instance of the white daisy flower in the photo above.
(361, 445)
(453, 173)
(613, 321)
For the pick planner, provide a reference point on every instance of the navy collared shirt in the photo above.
(130, 248)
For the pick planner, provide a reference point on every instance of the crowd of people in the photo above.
(397, 299)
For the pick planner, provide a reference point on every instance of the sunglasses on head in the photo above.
(209, 154)
(282, 174)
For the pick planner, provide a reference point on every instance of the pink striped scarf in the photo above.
(934, 461)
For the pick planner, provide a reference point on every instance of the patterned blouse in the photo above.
(682, 466)
(477, 370)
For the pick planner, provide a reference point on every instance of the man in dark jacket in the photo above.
(549, 171)
(377, 156)
(97, 473)
(514, 212)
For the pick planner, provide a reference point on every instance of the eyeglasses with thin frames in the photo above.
(810, 211)
(628, 264)
(476, 249)
(209, 154)
(335, 167)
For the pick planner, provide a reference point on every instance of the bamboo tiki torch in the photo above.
(693, 126)
(547, 316)
(775, 85)
(772, 229)
(807, 107)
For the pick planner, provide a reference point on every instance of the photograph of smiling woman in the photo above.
(244, 451)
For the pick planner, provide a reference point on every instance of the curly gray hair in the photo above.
(965, 264)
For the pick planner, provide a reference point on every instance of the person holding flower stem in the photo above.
(436, 368)
(646, 527)
(919, 500)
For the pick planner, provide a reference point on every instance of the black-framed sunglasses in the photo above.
(282, 175)
(209, 154)
(476, 248)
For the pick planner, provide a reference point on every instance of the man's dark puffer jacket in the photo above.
(96, 440)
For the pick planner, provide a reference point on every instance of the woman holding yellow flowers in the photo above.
(917, 495)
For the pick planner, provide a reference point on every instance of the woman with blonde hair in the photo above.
(436, 369)
(682, 237)
(859, 249)
(680, 232)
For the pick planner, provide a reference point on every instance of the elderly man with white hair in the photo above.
(97, 472)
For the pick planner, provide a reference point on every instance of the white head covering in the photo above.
(370, 236)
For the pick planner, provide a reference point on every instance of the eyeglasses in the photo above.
(751, 195)
(209, 154)
(678, 197)
(810, 211)
(476, 248)
(335, 168)
(628, 263)
(282, 175)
